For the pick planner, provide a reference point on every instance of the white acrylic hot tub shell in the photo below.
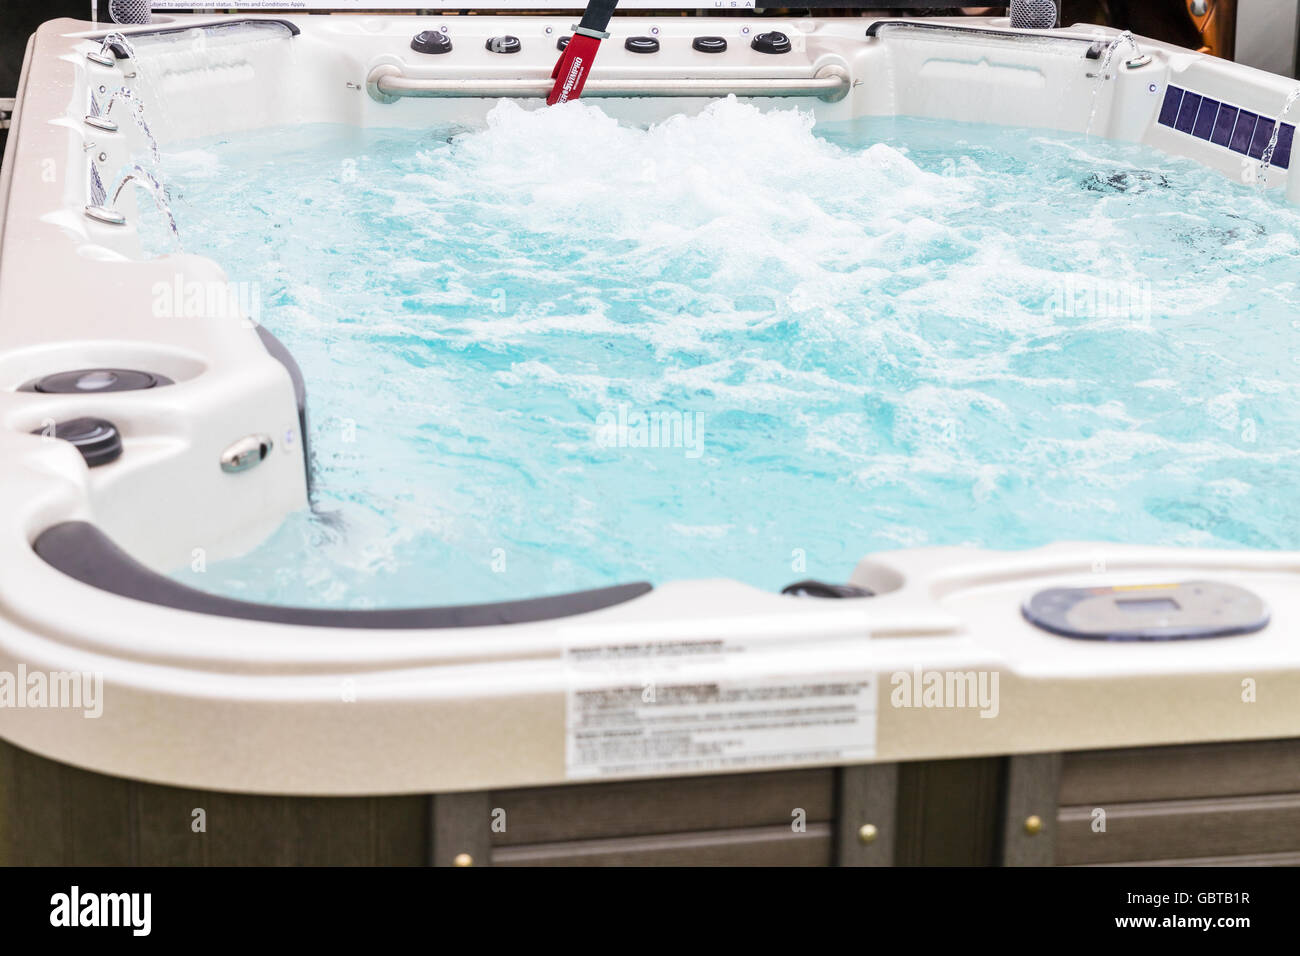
(235, 705)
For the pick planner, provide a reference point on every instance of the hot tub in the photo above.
(702, 719)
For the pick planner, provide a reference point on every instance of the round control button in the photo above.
(431, 41)
(98, 440)
(87, 380)
(93, 381)
(773, 42)
(504, 44)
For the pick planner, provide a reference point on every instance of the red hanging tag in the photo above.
(570, 73)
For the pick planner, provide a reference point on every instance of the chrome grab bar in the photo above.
(387, 84)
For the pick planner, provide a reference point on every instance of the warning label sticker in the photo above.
(663, 706)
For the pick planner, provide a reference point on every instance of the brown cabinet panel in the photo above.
(256, 830)
(1250, 859)
(949, 812)
(1189, 772)
(673, 805)
(756, 846)
(52, 814)
(1182, 829)
(55, 815)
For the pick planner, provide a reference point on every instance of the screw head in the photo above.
(462, 859)
(1033, 824)
(867, 833)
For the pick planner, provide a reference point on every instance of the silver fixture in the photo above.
(110, 217)
(99, 118)
(246, 453)
(98, 209)
(106, 212)
(104, 56)
(387, 84)
(103, 210)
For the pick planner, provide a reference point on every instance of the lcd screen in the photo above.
(1145, 605)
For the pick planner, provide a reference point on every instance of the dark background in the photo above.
(19, 20)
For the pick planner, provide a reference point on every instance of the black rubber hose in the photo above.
(598, 14)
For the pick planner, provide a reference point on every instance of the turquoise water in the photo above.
(857, 337)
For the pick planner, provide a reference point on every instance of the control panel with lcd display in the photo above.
(1148, 612)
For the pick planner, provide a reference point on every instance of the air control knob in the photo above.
(98, 440)
(431, 41)
(773, 42)
(503, 44)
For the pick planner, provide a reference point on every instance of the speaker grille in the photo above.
(1033, 14)
(130, 11)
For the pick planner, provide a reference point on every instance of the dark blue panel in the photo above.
(1263, 133)
(1169, 112)
(1282, 155)
(1244, 132)
(1187, 112)
(1223, 125)
(1205, 118)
